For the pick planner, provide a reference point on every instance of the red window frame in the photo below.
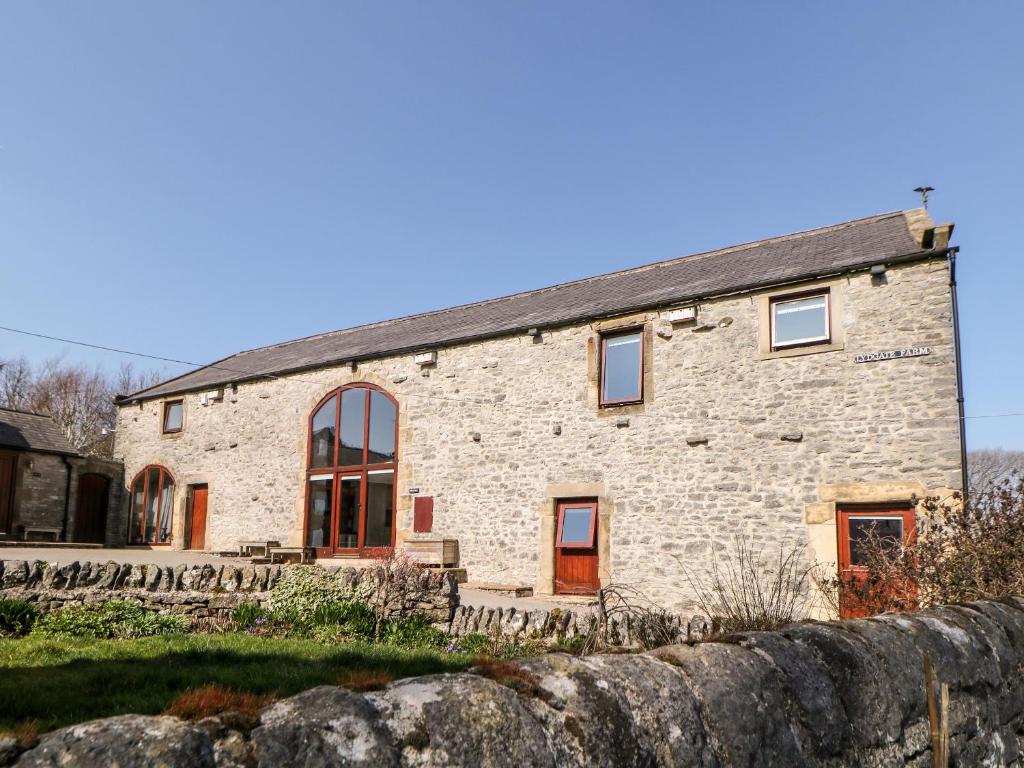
(905, 512)
(165, 474)
(349, 470)
(605, 337)
(562, 507)
(167, 410)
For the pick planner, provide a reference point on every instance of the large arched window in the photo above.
(152, 503)
(350, 493)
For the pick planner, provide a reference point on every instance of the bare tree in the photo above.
(989, 467)
(79, 399)
(15, 383)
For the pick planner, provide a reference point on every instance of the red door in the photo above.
(197, 517)
(91, 508)
(576, 548)
(8, 462)
(857, 525)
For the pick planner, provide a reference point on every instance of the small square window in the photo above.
(576, 523)
(622, 368)
(174, 413)
(800, 320)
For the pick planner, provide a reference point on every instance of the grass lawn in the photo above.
(60, 682)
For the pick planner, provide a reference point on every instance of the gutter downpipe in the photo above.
(951, 262)
(67, 500)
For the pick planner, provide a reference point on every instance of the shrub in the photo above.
(963, 551)
(115, 619)
(16, 617)
(212, 700)
(302, 589)
(751, 589)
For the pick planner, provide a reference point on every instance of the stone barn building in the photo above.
(618, 429)
(48, 490)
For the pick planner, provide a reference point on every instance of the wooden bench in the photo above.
(44, 529)
(288, 554)
(245, 548)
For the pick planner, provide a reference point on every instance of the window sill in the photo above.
(806, 349)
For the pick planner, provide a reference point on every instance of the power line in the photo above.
(751, 420)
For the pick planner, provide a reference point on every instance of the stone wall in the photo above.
(41, 485)
(847, 694)
(562, 625)
(728, 442)
(200, 590)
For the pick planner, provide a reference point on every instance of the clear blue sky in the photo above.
(192, 179)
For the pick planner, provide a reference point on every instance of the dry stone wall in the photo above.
(199, 591)
(728, 442)
(830, 695)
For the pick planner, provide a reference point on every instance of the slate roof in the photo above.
(837, 248)
(32, 432)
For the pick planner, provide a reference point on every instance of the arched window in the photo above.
(152, 504)
(350, 493)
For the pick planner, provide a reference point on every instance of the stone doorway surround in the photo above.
(820, 516)
(547, 512)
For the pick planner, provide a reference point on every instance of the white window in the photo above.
(798, 321)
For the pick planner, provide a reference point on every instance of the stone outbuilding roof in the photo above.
(26, 431)
(858, 244)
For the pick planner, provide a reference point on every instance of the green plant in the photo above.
(16, 616)
(115, 619)
(354, 617)
(302, 589)
(413, 632)
(247, 614)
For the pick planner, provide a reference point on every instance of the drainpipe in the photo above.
(951, 262)
(67, 500)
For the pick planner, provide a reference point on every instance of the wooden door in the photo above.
(8, 464)
(576, 560)
(197, 517)
(856, 525)
(91, 508)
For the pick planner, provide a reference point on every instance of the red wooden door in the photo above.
(91, 508)
(197, 518)
(576, 558)
(856, 526)
(8, 462)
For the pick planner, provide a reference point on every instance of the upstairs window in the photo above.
(174, 416)
(622, 368)
(800, 320)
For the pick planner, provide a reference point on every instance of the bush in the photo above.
(962, 551)
(751, 589)
(115, 619)
(303, 589)
(16, 617)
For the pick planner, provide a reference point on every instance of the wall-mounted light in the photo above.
(878, 270)
(425, 358)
